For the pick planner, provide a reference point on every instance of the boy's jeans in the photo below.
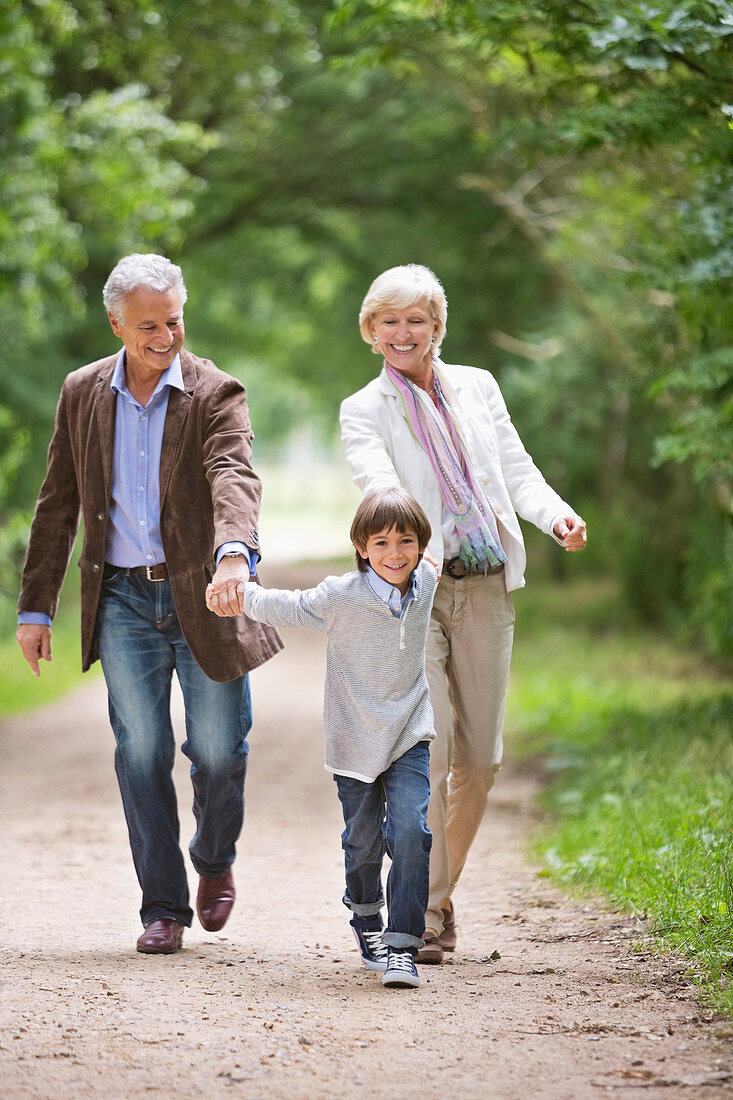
(389, 815)
(140, 644)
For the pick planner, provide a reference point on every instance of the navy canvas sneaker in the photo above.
(371, 948)
(401, 969)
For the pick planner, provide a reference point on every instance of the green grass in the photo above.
(19, 689)
(636, 735)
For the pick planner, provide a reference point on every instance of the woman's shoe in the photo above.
(432, 952)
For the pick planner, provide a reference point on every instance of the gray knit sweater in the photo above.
(376, 704)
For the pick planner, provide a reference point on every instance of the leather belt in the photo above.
(152, 572)
(457, 568)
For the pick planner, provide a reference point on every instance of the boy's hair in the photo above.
(381, 511)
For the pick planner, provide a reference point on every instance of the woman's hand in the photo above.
(571, 532)
(432, 561)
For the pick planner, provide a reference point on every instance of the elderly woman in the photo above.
(444, 433)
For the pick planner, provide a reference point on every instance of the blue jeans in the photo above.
(389, 815)
(140, 644)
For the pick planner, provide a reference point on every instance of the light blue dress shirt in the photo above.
(133, 530)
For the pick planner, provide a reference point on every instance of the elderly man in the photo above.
(153, 447)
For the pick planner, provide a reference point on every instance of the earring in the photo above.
(374, 339)
(432, 340)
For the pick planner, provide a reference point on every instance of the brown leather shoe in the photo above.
(432, 952)
(162, 937)
(448, 938)
(214, 901)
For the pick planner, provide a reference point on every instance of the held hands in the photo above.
(35, 641)
(224, 594)
(571, 532)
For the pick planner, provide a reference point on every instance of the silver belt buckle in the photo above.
(149, 574)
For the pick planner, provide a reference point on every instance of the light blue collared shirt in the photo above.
(391, 595)
(133, 530)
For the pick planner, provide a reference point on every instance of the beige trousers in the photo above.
(468, 654)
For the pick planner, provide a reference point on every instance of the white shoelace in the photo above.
(376, 944)
(401, 960)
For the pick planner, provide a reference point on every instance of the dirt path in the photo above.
(277, 1005)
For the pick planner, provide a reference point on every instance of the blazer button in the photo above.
(100, 515)
(95, 568)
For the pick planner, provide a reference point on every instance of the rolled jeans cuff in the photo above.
(364, 909)
(402, 941)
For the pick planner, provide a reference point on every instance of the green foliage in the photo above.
(40, 248)
(635, 737)
(87, 172)
(566, 168)
(14, 522)
(703, 432)
(606, 136)
(19, 689)
(117, 139)
(646, 816)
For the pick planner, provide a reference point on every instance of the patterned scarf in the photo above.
(443, 442)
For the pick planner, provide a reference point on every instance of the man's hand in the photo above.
(35, 641)
(224, 594)
(571, 532)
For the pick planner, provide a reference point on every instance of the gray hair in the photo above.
(399, 288)
(141, 269)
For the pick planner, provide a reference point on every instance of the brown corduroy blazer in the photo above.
(209, 495)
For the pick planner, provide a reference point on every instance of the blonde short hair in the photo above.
(398, 288)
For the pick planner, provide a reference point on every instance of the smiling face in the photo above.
(152, 332)
(392, 555)
(403, 336)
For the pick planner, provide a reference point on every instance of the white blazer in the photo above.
(383, 452)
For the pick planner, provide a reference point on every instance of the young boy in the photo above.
(378, 718)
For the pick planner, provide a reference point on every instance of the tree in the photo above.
(606, 132)
(566, 168)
